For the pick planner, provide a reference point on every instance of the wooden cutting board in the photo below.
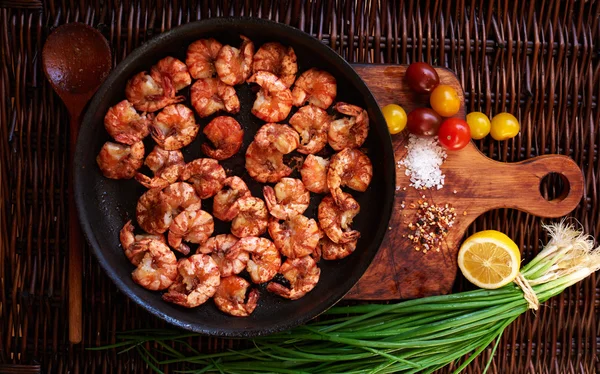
(474, 184)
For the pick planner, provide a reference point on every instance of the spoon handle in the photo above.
(75, 272)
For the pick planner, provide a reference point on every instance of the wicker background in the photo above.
(536, 59)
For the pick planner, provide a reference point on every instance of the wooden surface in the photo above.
(474, 184)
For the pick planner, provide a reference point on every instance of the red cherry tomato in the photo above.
(421, 77)
(454, 134)
(423, 121)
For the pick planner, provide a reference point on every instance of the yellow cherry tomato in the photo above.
(444, 100)
(479, 124)
(395, 117)
(504, 126)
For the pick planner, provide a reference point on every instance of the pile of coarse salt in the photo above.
(423, 161)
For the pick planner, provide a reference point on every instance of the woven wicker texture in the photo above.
(536, 59)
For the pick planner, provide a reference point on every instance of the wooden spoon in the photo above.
(76, 60)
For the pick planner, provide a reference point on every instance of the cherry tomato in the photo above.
(423, 121)
(479, 124)
(422, 77)
(444, 100)
(454, 134)
(395, 117)
(504, 126)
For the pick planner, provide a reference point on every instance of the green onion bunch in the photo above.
(416, 336)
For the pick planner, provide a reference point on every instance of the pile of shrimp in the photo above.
(272, 243)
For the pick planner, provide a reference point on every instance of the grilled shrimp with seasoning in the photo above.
(201, 57)
(226, 135)
(219, 247)
(303, 275)
(287, 199)
(298, 236)
(349, 167)
(119, 161)
(197, 281)
(312, 123)
(210, 95)
(274, 100)
(153, 213)
(277, 59)
(265, 165)
(350, 131)
(251, 219)
(191, 226)
(314, 174)
(151, 92)
(336, 251)
(127, 239)
(225, 205)
(174, 127)
(278, 137)
(156, 264)
(181, 196)
(264, 261)
(335, 221)
(315, 87)
(234, 65)
(125, 124)
(206, 175)
(176, 71)
(231, 298)
(167, 166)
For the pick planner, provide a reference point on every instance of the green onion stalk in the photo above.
(415, 336)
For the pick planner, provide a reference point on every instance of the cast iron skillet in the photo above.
(104, 205)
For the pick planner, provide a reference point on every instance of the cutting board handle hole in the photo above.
(554, 187)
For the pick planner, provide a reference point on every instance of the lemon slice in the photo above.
(489, 259)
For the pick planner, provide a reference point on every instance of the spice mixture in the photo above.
(431, 225)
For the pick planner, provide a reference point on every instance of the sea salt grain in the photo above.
(423, 161)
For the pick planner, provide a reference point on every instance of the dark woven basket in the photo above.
(536, 59)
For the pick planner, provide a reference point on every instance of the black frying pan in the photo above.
(104, 205)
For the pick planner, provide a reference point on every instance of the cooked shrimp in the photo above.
(230, 297)
(235, 65)
(225, 205)
(157, 266)
(252, 217)
(218, 247)
(118, 161)
(201, 57)
(176, 71)
(210, 95)
(274, 100)
(279, 137)
(311, 122)
(349, 167)
(226, 135)
(315, 87)
(190, 226)
(314, 174)
(265, 165)
(125, 125)
(277, 59)
(303, 275)
(151, 92)
(175, 127)
(335, 221)
(348, 132)
(334, 251)
(265, 260)
(167, 166)
(181, 196)
(296, 237)
(153, 213)
(206, 175)
(287, 199)
(197, 281)
(127, 239)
